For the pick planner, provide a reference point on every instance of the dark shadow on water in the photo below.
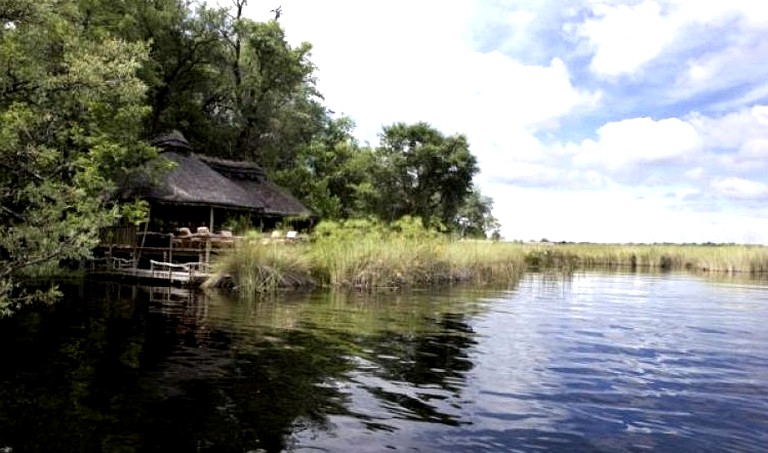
(123, 368)
(113, 370)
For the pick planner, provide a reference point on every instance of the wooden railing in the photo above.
(192, 268)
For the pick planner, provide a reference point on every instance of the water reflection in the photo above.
(133, 369)
(623, 362)
(575, 362)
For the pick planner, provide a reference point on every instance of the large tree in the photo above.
(332, 174)
(233, 86)
(71, 110)
(417, 171)
(423, 173)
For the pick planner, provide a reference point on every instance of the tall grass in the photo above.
(702, 258)
(254, 267)
(366, 254)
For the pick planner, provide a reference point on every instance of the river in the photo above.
(554, 362)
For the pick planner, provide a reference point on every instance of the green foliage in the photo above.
(238, 224)
(369, 254)
(423, 174)
(475, 218)
(234, 87)
(237, 89)
(135, 213)
(417, 172)
(70, 117)
(329, 171)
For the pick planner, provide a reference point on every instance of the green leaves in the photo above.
(426, 174)
(71, 112)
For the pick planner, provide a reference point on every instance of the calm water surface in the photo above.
(586, 362)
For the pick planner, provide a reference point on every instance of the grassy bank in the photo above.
(703, 258)
(359, 254)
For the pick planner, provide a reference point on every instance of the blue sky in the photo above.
(604, 121)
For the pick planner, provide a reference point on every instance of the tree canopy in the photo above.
(71, 112)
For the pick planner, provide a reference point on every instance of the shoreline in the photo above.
(398, 261)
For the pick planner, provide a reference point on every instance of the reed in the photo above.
(366, 254)
(701, 258)
(486, 261)
(254, 267)
(362, 254)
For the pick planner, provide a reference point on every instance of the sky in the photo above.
(598, 121)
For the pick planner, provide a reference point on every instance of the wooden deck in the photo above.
(165, 259)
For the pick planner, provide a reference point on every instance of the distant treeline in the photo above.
(684, 244)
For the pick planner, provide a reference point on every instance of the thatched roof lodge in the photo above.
(202, 190)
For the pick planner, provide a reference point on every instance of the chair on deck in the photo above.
(223, 239)
(183, 238)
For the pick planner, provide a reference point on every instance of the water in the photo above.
(587, 362)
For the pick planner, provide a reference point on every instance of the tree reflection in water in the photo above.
(118, 368)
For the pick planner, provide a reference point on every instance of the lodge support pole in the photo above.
(137, 254)
(208, 240)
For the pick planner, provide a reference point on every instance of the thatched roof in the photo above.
(172, 140)
(204, 181)
(253, 181)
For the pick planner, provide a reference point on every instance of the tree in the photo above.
(233, 86)
(423, 173)
(332, 173)
(475, 217)
(188, 72)
(71, 111)
(276, 103)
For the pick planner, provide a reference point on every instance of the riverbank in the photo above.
(407, 256)
(367, 262)
(750, 259)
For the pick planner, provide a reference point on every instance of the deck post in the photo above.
(137, 254)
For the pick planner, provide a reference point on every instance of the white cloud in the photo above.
(616, 215)
(382, 62)
(733, 130)
(755, 149)
(624, 37)
(715, 70)
(695, 173)
(739, 188)
(622, 144)
(504, 93)
(751, 13)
